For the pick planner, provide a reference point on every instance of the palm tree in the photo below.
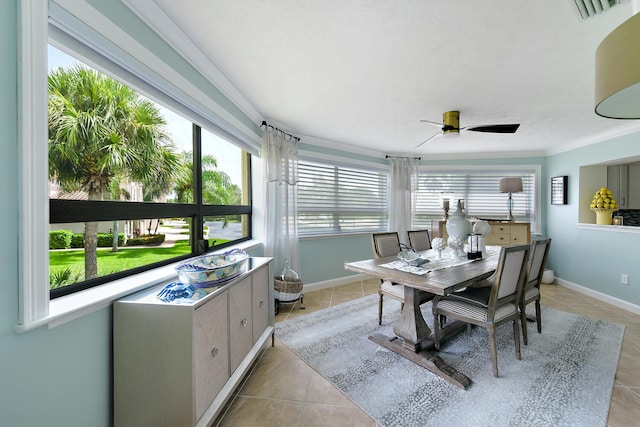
(101, 131)
(217, 188)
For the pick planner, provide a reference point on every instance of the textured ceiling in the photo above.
(362, 73)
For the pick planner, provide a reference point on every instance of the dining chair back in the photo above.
(531, 291)
(492, 305)
(419, 240)
(386, 245)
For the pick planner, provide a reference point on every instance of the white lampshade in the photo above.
(617, 92)
(511, 185)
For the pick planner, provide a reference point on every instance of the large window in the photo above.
(480, 191)
(335, 199)
(133, 185)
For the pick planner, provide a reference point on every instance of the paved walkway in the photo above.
(173, 229)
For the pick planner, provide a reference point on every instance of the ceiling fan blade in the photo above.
(427, 140)
(440, 125)
(512, 128)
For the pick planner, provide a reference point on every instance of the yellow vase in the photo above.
(603, 216)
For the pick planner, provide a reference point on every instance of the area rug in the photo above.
(565, 377)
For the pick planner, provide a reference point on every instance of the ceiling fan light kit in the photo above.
(617, 92)
(451, 121)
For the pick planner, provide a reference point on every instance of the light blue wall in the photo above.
(62, 376)
(594, 259)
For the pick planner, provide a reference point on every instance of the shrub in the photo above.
(155, 239)
(77, 240)
(60, 239)
(105, 240)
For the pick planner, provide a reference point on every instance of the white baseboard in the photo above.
(334, 282)
(625, 305)
(617, 302)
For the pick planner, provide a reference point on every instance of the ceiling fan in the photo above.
(451, 125)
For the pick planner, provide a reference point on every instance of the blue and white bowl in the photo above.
(212, 269)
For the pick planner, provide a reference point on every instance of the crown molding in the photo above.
(162, 24)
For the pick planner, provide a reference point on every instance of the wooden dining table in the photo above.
(413, 338)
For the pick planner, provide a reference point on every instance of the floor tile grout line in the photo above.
(303, 401)
(628, 388)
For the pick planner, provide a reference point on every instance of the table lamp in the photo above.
(510, 185)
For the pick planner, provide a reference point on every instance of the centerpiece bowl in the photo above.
(212, 269)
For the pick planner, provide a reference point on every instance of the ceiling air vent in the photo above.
(589, 8)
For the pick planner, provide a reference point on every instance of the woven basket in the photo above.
(287, 290)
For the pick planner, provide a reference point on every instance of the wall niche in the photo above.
(622, 177)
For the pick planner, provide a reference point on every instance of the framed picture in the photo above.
(559, 190)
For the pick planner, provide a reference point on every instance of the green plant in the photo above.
(60, 239)
(105, 240)
(155, 239)
(64, 277)
(77, 240)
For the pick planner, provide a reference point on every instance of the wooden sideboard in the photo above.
(502, 233)
(177, 364)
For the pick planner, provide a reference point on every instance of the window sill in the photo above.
(334, 235)
(76, 305)
(613, 228)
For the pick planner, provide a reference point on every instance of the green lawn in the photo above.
(113, 262)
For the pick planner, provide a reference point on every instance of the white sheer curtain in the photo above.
(403, 179)
(280, 156)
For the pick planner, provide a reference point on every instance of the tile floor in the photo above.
(282, 390)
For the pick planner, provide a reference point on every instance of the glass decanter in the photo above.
(288, 274)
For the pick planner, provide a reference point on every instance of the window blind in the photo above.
(480, 192)
(335, 199)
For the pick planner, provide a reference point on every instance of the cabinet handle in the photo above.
(244, 322)
(261, 303)
(214, 351)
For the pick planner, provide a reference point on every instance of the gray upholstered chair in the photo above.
(489, 306)
(419, 240)
(385, 245)
(531, 291)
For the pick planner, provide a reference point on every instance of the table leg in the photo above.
(414, 340)
(411, 326)
(426, 358)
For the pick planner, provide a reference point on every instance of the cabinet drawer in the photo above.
(240, 322)
(500, 229)
(498, 239)
(519, 235)
(261, 305)
(211, 352)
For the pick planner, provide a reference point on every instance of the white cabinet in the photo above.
(176, 364)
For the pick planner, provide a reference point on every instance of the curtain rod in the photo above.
(400, 157)
(264, 123)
